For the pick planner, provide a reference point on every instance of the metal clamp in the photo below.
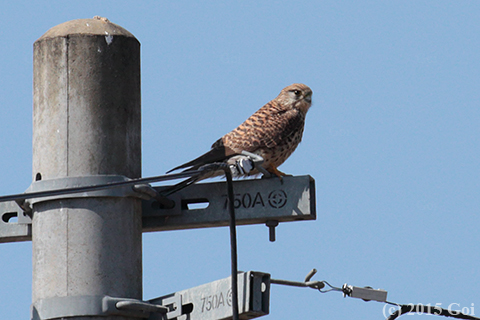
(245, 162)
(20, 206)
(366, 294)
(76, 306)
(79, 187)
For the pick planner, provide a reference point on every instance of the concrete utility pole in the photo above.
(86, 122)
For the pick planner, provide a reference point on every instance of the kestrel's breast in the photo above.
(272, 134)
(279, 153)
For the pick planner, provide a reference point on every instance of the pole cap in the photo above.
(96, 26)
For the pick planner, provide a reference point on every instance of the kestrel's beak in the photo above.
(308, 98)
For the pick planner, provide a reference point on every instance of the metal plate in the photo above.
(214, 301)
(256, 201)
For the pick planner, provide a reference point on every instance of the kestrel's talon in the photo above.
(274, 171)
(273, 176)
(273, 132)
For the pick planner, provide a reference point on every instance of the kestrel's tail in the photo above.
(180, 186)
(205, 171)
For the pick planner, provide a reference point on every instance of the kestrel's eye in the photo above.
(296, 92)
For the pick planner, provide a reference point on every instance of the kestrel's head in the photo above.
(297, 95)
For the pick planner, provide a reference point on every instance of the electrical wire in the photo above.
(332, 288)
(232, 223)
(233, 242)
(56, 192)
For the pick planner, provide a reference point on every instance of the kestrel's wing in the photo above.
(218, 153)
(265, 129)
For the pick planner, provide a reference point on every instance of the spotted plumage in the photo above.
(273, 132)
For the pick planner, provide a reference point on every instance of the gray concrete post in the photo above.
(86, 121)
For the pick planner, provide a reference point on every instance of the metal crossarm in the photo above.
(257, 201)
(213, 300)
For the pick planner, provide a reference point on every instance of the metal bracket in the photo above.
(77, 187)
(76, 306)
(21, 230)
(257, 201)
(86, 181)
(214, 300)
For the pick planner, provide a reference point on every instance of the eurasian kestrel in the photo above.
(273, 132)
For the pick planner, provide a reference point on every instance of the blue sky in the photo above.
(391, 140)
